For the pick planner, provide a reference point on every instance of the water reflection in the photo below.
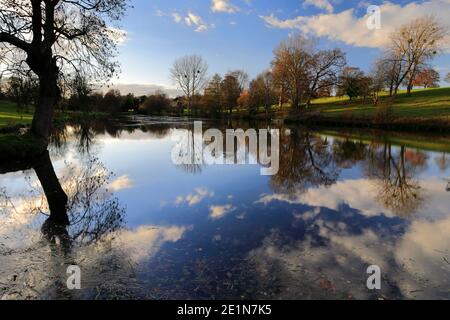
(78, 211)
(338, 204)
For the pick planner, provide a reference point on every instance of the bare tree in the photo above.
(242, 78)
(54, 38)
(190, 74)
(390, 67)
(325, 68)
(414, 44)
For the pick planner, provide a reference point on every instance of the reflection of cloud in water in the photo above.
(120, 183)
(108, 265)
(413, 265)
(220, 211)
(361, 194)
(145, 241)
(194, 198)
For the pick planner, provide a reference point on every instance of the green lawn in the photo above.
(423, 103)
(9, 114)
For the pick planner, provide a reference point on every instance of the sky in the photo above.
(242, 34)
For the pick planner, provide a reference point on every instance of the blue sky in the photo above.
(241, 34)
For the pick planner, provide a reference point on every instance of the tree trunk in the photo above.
(48, 96)
(56, 197)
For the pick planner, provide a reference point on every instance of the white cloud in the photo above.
(191, 20)
(122, 182)
(416, 261)
(218, 212)
(223, 6)
(194, 198)
(361, 194)
(145, 241)
(119, 36)
(177, 17)
(348, 27)
(321, 4)
(141, 89)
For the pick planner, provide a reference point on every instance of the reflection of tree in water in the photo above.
(80, 199)
(191, 151)
(398, 191)
(92, 209)
(443, 162)
(305, 161)
(81, 211)
(347, 153)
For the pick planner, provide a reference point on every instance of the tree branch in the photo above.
(13, 40)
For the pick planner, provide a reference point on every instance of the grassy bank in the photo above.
(425, 109)
(19, 147)
(10, 115)
(423, 141)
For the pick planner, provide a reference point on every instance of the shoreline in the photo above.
(396, 124)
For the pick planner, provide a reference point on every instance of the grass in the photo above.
(423, 141)
(9, 115)
(17, 147)
(426, 104)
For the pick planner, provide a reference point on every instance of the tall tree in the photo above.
(213, 94)
(324, 70)
(54, 38)
(22, 89)
(262, 93)
(390, 68)
(242, 78)
(231, 90)
(350, 82)
(290, 67)
(190, 74)
(414, 44)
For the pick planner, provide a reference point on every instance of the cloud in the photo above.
(122, 182)
(218, 212)
(321, 4)
(145, 241)
(141, 89)
(119, 36)
(348, 27)
(177, 17)
(191, 20)
(194, 198)
(224, 6)
(416, 261)
(361, 194)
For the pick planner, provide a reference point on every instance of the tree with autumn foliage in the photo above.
(427, 78)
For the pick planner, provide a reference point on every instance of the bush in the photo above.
(155, 104)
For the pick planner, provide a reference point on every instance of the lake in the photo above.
(142, 227)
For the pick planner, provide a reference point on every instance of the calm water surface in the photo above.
(142, 227)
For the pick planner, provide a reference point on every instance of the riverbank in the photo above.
(422, 110)
(15, 142)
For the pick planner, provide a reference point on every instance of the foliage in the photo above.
(156, 104)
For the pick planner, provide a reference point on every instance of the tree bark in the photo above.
(56, 197)
(48, 97)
